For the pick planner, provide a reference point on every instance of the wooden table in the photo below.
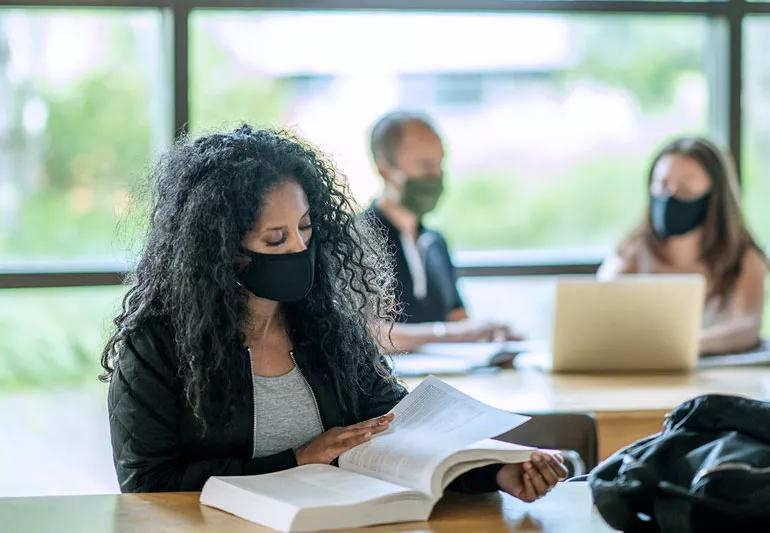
(567, 509)
(626, 407)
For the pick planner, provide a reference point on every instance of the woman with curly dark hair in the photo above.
(246, 343)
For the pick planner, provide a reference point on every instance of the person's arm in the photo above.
(457, 314)
(409, 337)
(454, 326)
(614, 266)
(144, 416)
(378, 394)
(741, 330)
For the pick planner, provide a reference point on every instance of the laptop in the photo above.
(634, 323)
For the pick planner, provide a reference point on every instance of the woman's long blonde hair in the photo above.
(726, 237)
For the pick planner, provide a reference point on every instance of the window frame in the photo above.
(176, 15)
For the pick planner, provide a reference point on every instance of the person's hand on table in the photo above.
(473, 331)
(534, 479)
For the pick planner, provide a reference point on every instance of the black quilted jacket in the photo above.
(158, 444)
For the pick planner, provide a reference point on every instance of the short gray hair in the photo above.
(388, 131)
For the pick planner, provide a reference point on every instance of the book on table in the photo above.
(438, 434)
(458, 358)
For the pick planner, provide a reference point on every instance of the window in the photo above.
(756, 156)
(54, 336)
(83, 108)
(541, 114)
(55, 436)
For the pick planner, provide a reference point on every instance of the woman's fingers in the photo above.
(343, 445)
(361, 425)
(557, 465)
(349, 434)
(337, 440)
(357, 439)
(544, 467)
(380, 428)
(529, 494)
(353, 431)
(538, 482)
(383, 420)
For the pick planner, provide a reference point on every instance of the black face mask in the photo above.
(280, 277)
(670, 216)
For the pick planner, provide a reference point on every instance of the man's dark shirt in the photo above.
(439, 288)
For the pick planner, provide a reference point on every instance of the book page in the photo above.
(478, 353)
(317, 486)
(313, 497)
(474, 353)
(422, 364)
(481, 453)
(432, 422)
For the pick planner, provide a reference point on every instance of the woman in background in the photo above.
(694, 224)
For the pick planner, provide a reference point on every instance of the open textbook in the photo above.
(438, 434)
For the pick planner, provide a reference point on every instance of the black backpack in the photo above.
(709, 470)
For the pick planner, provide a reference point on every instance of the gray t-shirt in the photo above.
(286, 415)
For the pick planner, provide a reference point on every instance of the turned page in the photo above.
(432, 422)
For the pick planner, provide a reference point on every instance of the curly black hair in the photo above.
(206, 195)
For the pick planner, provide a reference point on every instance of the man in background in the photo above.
(409, 155)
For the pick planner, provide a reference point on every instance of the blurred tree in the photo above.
(626, 52)
(222, 95)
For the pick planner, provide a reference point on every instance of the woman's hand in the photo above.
(329, 445)
(534, 479)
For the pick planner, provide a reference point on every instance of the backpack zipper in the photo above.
(722, 467)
